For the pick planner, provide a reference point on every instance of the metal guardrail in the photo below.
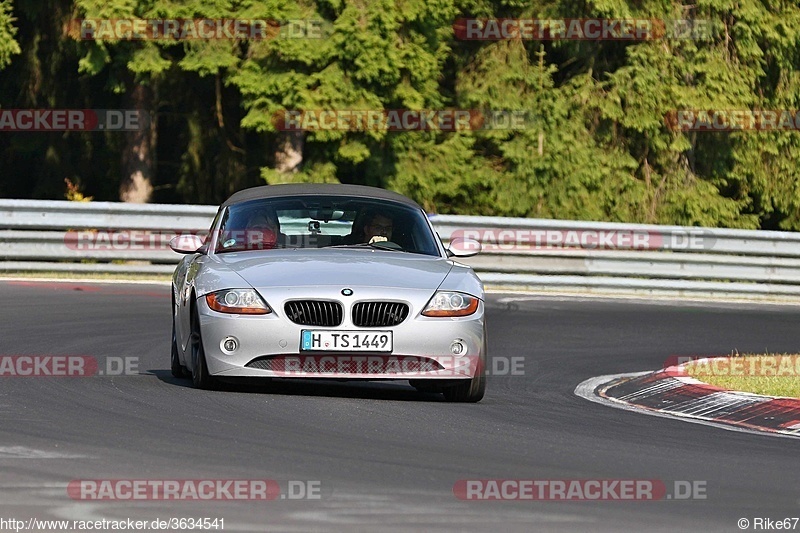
(519, 254)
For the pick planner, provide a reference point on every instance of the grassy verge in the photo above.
(769, 374)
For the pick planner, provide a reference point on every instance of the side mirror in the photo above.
(186, 244)
(461, 247)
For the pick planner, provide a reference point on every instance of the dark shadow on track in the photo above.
(370, 390)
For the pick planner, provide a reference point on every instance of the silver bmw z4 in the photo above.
(328, 281)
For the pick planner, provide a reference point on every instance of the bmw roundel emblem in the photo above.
(347, 292)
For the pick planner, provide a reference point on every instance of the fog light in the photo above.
(458, 347)
(229, 344)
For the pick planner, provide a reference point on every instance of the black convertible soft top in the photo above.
(314, 189)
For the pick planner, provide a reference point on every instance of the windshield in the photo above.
(325, 221)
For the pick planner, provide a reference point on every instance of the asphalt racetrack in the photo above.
(381, 455)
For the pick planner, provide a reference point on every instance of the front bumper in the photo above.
(421, 347)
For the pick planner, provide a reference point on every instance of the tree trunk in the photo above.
(138, 157)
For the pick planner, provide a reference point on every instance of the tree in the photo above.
(597, 142)
(8, 45)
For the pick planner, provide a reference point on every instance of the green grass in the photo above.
(769, 374)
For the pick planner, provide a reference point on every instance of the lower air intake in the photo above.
(383, 365)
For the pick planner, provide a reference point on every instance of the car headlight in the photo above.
(447, 303)
(237, 301)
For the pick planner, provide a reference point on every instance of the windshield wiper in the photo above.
(380, 245)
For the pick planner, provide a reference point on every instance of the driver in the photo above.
(374, 226)
(378, 226)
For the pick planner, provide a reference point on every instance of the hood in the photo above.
(344, 267)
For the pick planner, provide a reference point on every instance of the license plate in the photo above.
(315, 340)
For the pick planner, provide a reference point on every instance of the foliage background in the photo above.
(600, 150)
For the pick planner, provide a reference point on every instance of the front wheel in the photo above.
(200, 376)
(471, 390)
(178, 370)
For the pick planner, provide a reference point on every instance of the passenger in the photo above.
(263, 231)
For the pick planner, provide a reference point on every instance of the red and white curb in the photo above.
(670, 393)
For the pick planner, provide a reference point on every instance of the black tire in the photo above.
(178, 370)
(471, 390)
(201, 379)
